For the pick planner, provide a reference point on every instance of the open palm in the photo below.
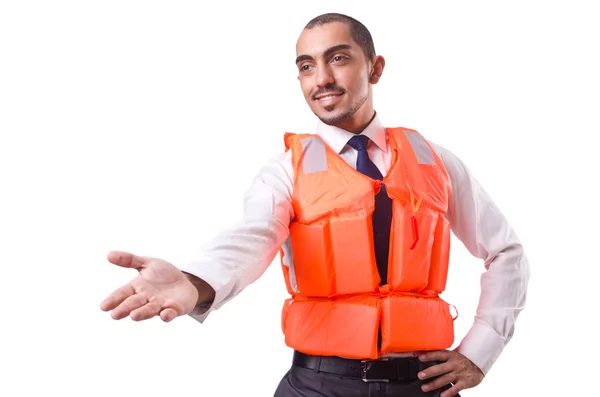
(159, 289)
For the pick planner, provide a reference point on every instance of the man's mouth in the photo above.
(327, 96)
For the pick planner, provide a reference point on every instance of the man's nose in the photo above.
(324, 75)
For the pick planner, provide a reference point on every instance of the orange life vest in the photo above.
(337, 306)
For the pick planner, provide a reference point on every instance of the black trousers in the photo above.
(302, 382)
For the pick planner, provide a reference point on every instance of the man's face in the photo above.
(333, 74)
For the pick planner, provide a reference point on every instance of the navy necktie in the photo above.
(382, 216)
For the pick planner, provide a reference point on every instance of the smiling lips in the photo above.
(328, 98)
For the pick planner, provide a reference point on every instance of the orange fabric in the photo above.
(337, 306)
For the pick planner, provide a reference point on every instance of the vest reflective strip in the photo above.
(314, 156)
(420, 147)
(288, 260)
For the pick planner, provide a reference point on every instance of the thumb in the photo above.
(126, 259)
(168, 315)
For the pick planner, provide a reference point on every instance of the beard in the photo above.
(336, 119)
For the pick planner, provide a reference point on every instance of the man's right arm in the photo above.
(206, 293)
(240, 254)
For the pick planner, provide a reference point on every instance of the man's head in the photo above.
(337, 65)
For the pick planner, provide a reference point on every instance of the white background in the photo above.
(113, 114)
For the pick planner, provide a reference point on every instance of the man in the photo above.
(362, 216)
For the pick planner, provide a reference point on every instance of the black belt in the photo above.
(383, 370)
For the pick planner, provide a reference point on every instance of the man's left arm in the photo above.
(482, 228)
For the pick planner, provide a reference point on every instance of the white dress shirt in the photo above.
(239, 255)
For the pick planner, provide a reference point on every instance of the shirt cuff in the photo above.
(482, 345)
(205, 269)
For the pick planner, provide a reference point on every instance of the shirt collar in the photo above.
(336, 138)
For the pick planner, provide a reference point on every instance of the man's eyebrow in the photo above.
(337, 48)
(302, 58)
(327, 52)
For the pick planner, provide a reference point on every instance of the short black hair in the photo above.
(360, 33)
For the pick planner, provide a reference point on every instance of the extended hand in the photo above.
(455, 369)
(159, 289)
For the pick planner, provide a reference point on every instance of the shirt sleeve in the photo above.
(478, 223)
(240, 254)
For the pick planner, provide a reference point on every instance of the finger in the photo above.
(117, 297)
(435, 370)
(126, 259)
(168, 314)
(438, 355)
(131, 303)
(453, 391)
(146, 311)
(438, 382)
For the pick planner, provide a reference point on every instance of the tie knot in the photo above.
(359, 142)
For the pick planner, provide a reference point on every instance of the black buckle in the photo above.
(364, 371)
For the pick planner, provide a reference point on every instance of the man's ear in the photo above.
(378, 63)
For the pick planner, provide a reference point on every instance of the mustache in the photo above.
(330, 89)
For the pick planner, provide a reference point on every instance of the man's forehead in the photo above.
(318, 39)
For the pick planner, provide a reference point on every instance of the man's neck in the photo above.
(356, 129)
